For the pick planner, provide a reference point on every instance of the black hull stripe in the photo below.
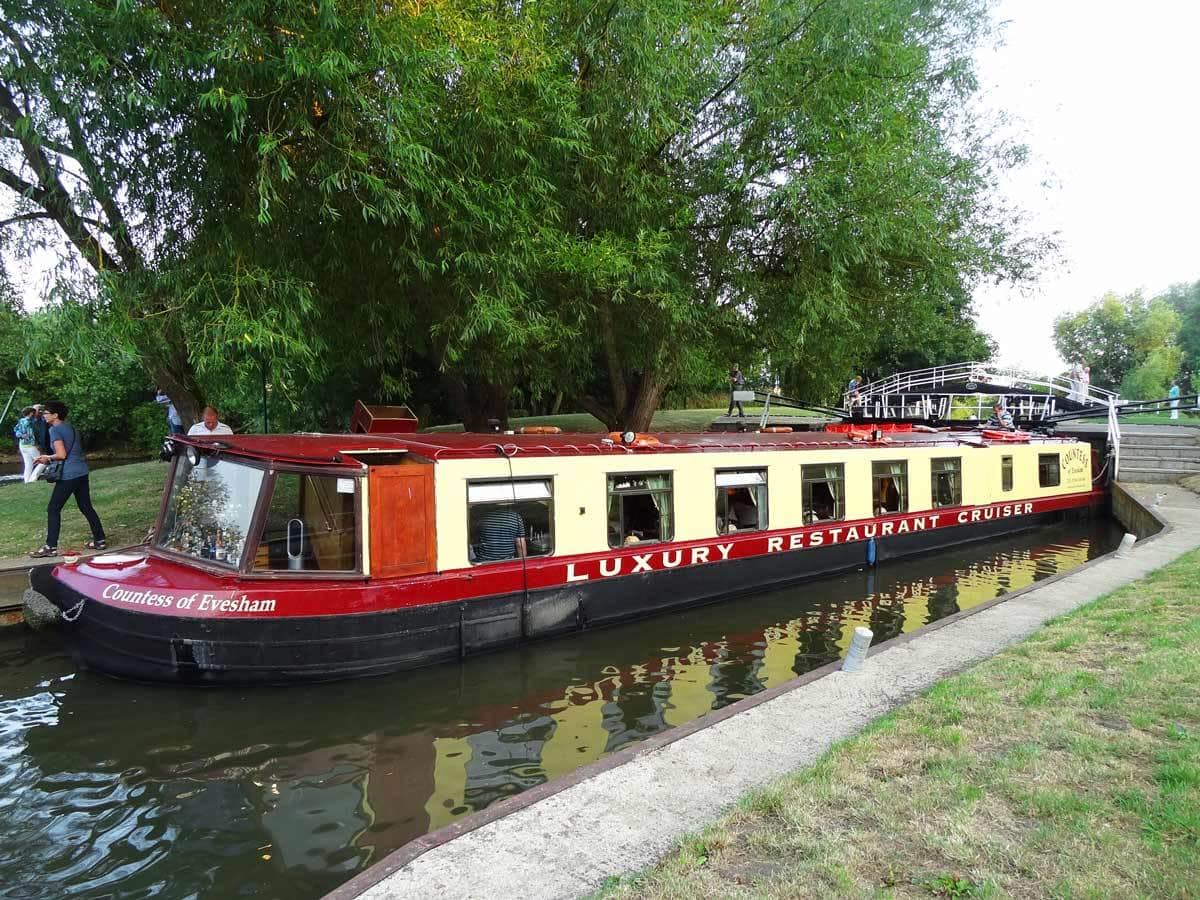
(142, 646)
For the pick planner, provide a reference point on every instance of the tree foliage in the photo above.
(1185, 300)
(479, 201)
(1129, 343)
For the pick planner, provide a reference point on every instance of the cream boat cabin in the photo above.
(327, 556)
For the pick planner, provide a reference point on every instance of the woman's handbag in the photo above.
(54, 468)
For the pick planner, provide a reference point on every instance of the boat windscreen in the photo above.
(209, 508)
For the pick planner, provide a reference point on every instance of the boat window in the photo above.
(639, 508)
(508, 519)
(741, 501)
(210, 507)
(1006, 481)
(1048, 471)
(823, 492)
(311, 525)
(889, 487)
(947, 481)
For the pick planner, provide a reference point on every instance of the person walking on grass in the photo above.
(174, 420)
(27, 444)
(65, 445)
(41, 431)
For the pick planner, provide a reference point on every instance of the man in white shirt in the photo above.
(210, 425)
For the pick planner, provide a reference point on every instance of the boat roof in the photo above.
(340, 449)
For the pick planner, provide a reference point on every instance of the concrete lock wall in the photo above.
(1134, 518)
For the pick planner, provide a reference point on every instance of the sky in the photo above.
(1106, 97)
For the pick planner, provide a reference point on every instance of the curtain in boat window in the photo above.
(660, 488)
(735, 490)
(826, 479)
(628, 496)
(897, 472)
(947, 481)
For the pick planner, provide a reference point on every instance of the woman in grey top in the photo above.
(65, 445)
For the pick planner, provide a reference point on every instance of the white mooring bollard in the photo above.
(1127, 543)
(857, 654)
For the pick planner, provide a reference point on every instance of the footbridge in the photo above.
(962, 394)
(969, 389)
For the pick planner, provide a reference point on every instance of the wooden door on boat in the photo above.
(403, 528)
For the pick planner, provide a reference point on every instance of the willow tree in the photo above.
(596, 198)
(798, 176)
(113, 147)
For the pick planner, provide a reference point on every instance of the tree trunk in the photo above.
(478, 403)
(605, 414)
(642, 395)
(644, 402)
(180, 384)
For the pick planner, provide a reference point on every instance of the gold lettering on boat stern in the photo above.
(1076, 459)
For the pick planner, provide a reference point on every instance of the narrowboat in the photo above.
(319, 556)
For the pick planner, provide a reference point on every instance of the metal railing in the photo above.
(927, 381)
(1114, 438)
(766, 398)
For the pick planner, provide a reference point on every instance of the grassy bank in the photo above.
(689, 420)
(583, 423)
(126, 497)
(1068, 766)
(1187, 419)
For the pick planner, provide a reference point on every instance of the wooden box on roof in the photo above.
(376, 419)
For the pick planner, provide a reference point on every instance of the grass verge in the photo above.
(1068, 766)
(126, 497)
(1187, 419)
(685, 420)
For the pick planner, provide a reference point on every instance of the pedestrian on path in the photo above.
(174, 421)
(27, 444)
(853, 397)
(73, 480)
(737, 382)
(41, 431)
(1173, 396)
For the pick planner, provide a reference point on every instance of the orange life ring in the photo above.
(540, 429)
(1006, 437)
(777, 429)
(639, 439)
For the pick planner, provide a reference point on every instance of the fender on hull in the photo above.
(139, 646)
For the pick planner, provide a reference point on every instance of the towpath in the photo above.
(621, 814)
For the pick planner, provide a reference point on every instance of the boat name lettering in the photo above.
(673, 557)
(1077, 459)
(196, 602)
(987, 513)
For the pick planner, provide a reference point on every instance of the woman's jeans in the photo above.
(32, 471)
(83, 497)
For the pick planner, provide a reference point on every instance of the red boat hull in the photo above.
(162, 621)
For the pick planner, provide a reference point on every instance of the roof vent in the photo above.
(382, 419)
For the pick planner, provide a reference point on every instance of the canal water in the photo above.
(110, 788)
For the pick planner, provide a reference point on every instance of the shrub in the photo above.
(147, 428)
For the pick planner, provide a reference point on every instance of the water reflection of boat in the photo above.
(322, 556)
(324, 780)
